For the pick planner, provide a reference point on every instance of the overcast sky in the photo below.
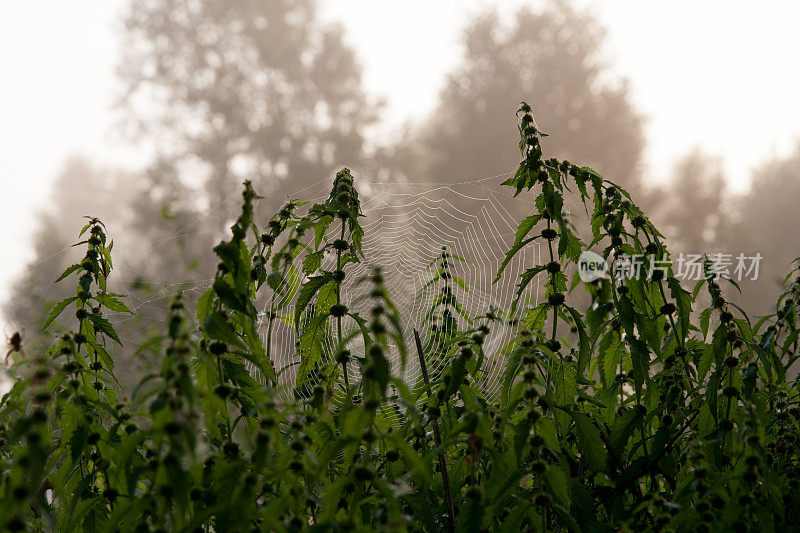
(719, 74)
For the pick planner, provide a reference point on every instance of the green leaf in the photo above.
(510, 372)
(102, 353)
(649, 330)
(583, 504)
(57, 310)
(684, 303)
(719, 344)
(591, 442)
(110, 301)
(205, 304)
(78, 441)
(356, 235)
(705, 317)
(569, 245)
(536, 317)
(382, 371)
(312, 262)
(320, 228)
(233, 297)
(257, 354)
(520, 179)
(546, 429)
(557, 480)
(525, 227)
(527, 277)
(611, 359)
(706, 358)
(457, 372)
(310, 347)
(522, 434)
(624, 425)
(551, 201)
(68, 271)
(712, 393)
(510, 254)
(307, 292)
(105, 327)
(584, 346)
(640, 359)
(217, 327)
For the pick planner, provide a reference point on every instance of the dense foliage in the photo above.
(656, 408)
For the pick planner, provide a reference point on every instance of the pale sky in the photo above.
(718, 74)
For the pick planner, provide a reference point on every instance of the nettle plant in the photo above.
(654, 408)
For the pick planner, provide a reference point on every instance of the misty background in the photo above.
(150, 114)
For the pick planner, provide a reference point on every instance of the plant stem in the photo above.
(339, 318)
(728, 406)
(438, 437)
(555, 309)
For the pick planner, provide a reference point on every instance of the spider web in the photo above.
(406, 225)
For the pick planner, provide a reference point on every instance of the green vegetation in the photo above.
(656, 408)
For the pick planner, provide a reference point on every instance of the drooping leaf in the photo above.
(684, 304)
(219, 328)
(307, 292)
(584, 346)
(624, 425)
(591, 442)
(105, 327)
(310, 347)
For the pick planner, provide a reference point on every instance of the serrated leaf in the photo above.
(706, 358)
(584, 346)
(510, 255)
(320, 228)
(528, 276)
(356, 236)
(68, 271)
(640, 361)
(310, 347)
(611, 360)
(558, 481)
(684, 303)
(233, 297)
(105, 327)
(257, 353)
(520, 240)
(110, 301)
(624, 425)
(522, 434)
(591, 442)
(217, 327)
(307, 292)
(57, 310)
(536, 317)
(205, 304)
(312, 262)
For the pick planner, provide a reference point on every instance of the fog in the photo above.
(152, 113)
